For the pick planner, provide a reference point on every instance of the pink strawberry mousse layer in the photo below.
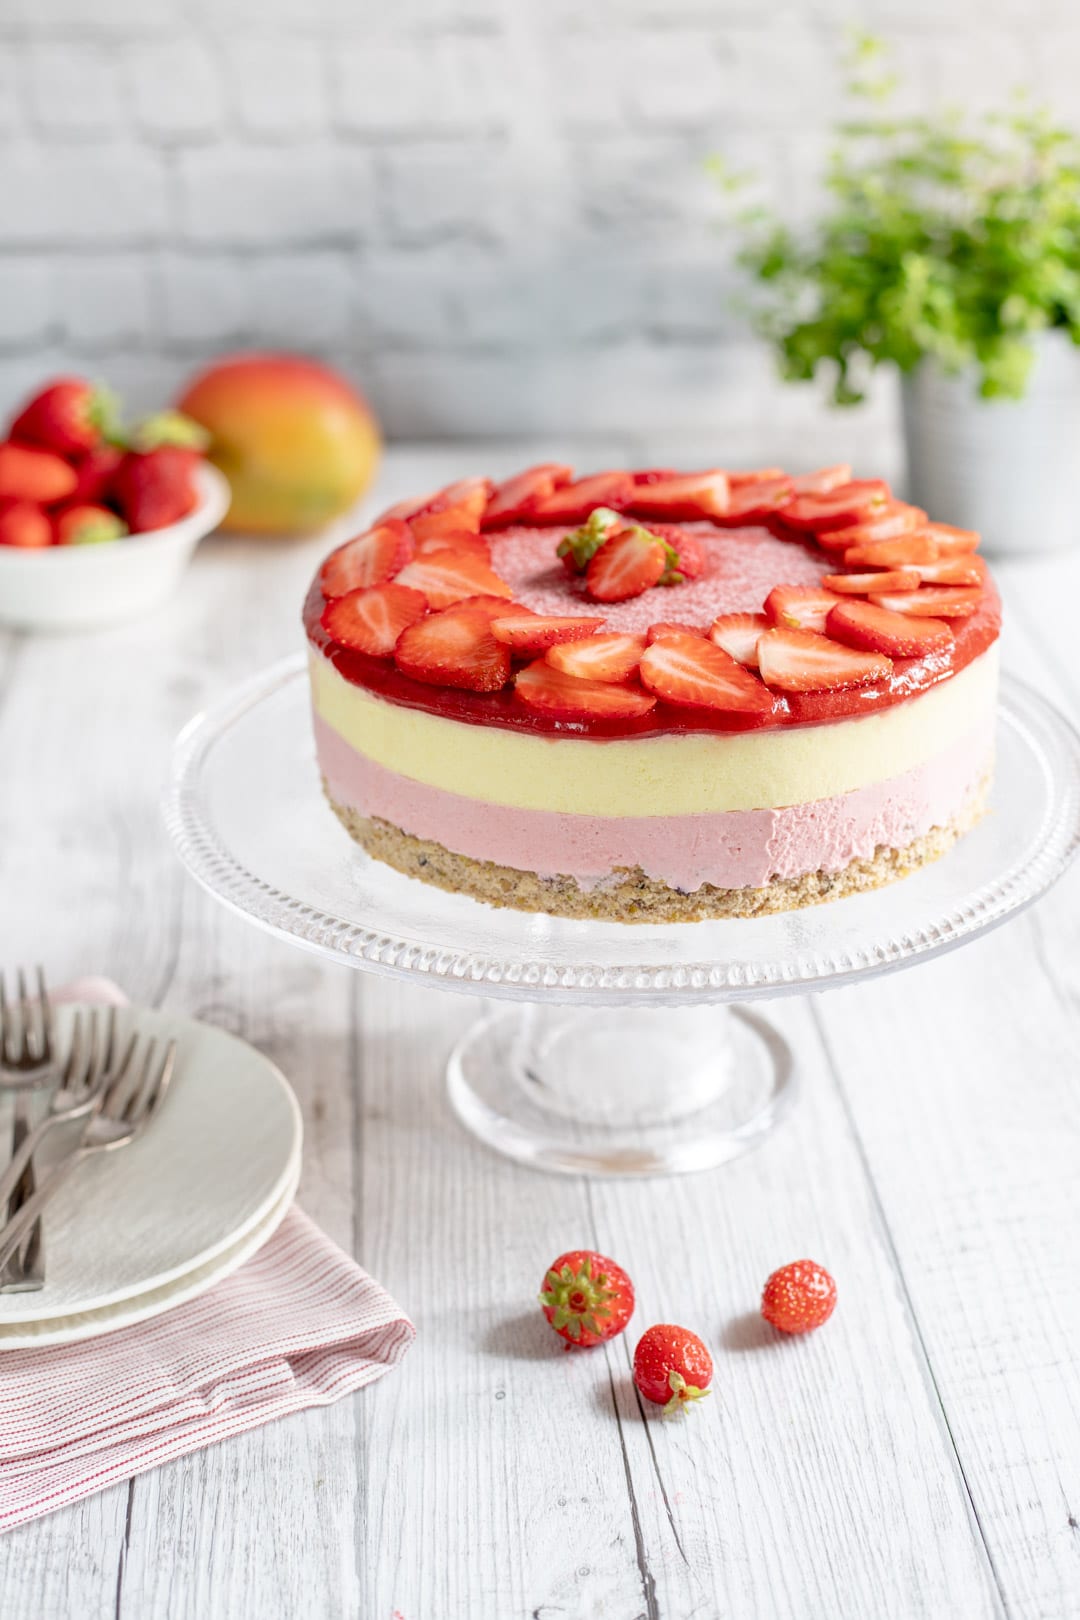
(732, 849)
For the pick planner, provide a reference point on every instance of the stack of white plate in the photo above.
(136, 1232)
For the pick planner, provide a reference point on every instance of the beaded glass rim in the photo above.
(524, 956)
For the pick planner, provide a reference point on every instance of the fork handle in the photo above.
(12, 1234)
(25, 1146)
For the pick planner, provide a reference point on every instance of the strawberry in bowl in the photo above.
(97, 525)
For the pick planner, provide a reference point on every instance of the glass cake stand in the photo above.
(625, 1054)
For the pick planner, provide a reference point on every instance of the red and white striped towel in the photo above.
(298, 1325)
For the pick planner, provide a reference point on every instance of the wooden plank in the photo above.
(971, 1132)
(492, 1489)
(820, 1478)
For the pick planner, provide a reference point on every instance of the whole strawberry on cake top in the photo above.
(655, 696)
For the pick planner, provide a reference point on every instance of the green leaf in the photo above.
(945, 238)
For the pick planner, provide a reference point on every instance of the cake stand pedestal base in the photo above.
(629, 1092)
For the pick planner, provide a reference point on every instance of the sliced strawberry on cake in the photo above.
(447, 576)
(839, 508)
(369, 559)
(963, 569)
(823, 480)
(533, 632)
(625, 565)
(669, 627)
(693, 672)
(552, 692)
(876, 629)
(685, 557)
(455, 540)
(952, 542)
(910, 549)
(758, 499)
(887, 579)
(934, 601)
(603, 657)
(519, 496)
(894, 519)
(803, 661)
(799, 607)
(458, 506)
(371, 620)
(454, 648)
(572, 503)
(738, 634)
(686, 497)
(577, 549)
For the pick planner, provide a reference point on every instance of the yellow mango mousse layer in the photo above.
(678, 775)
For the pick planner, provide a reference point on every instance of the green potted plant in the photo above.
(949, 249)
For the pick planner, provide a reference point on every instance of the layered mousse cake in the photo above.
(655, 696)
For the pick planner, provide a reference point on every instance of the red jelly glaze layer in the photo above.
(746, 563)
(910, 676)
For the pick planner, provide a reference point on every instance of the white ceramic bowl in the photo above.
(80, 587)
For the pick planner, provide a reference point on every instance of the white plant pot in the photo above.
(1004, 467)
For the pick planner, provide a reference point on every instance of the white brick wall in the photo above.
(492, 213)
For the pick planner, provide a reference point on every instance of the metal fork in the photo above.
(90, 1066)
(122, 1111)
(26, 1063)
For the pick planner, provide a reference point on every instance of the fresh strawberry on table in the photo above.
(586, 1297)
(370, 558)
(799, 1297)
(28, 473)
(68, 416)
(454, 647)
(691, 671)
(24, 524)
(81, 523)
(672, 1366)
(372, 619)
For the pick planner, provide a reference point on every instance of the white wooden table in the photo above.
(920, 1457)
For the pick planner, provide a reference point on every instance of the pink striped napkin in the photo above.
(300, 1324)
